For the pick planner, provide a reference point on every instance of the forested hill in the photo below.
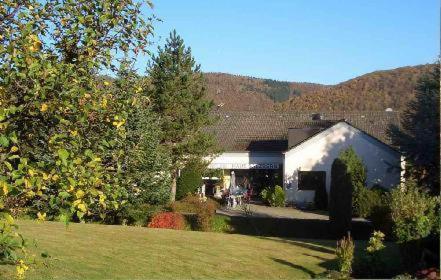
(370, 92)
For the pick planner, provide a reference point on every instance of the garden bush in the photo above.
(139, 214)
(190, 179)
(357, 176)
(380, 215)
(340, 204)
(204, 210)
(373, 261)
(279, 197)
(274, 197)
(345, 254)
(368, 199)
(414, 216)
(413, 212)
(170, 220)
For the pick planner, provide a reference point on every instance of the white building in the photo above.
(296, 150)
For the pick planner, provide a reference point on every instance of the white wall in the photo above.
(318, 153)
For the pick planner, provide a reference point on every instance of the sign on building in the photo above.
(244, 166)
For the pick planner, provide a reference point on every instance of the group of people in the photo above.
(237, 194)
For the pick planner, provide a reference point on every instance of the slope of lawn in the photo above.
(90, 251)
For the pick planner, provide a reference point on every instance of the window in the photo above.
(312, 180)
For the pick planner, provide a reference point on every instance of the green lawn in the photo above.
(89, 251)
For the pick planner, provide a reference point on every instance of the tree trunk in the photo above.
(173, 186)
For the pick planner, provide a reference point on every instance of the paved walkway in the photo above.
(276, 212)
(279, 212)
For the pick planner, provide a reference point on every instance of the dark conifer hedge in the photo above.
(340, 204)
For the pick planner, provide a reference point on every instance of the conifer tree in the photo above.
(419, 136)
(178, 97)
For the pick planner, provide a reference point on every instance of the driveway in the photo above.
(279, 212)
(275, 212)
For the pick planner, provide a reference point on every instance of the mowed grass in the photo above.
(90, 251)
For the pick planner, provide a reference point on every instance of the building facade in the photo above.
(296, 150)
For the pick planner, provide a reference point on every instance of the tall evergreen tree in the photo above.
(419, 136)
(177, 94)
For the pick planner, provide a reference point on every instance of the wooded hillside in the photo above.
(373, 91)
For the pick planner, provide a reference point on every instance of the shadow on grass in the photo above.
(307, 245)
(295, 266)
(295, 228)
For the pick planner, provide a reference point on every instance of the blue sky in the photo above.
(319, 41)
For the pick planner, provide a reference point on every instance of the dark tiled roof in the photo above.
(268, 131)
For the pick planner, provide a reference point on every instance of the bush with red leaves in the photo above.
(168, 220)
(429, 273)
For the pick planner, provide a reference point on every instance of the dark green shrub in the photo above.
(380, 215)
(274, 197)
(340, 204)
(373, 259)
(190, 179)
(266, 194)
(357, 174)
(375, 262)
(140, 214)
(367, 199)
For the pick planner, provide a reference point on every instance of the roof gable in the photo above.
(351, 127)
(269, 131)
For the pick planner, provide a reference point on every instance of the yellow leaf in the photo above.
(82, 207)
(55, 177)
(27, 183)
(9, 219)
(31, 172)
(41, 217)
(43, 107)
(76, 202)
(106, 83)
(5, 188)
(79, 194)
(74, 133)
(104, 103)
(30, 194)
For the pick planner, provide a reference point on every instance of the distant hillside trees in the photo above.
(370, 92)
(419, 136)
(178, 97)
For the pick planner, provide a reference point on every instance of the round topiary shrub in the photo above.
(168, 220)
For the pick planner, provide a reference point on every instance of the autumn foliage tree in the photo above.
(62, 130)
